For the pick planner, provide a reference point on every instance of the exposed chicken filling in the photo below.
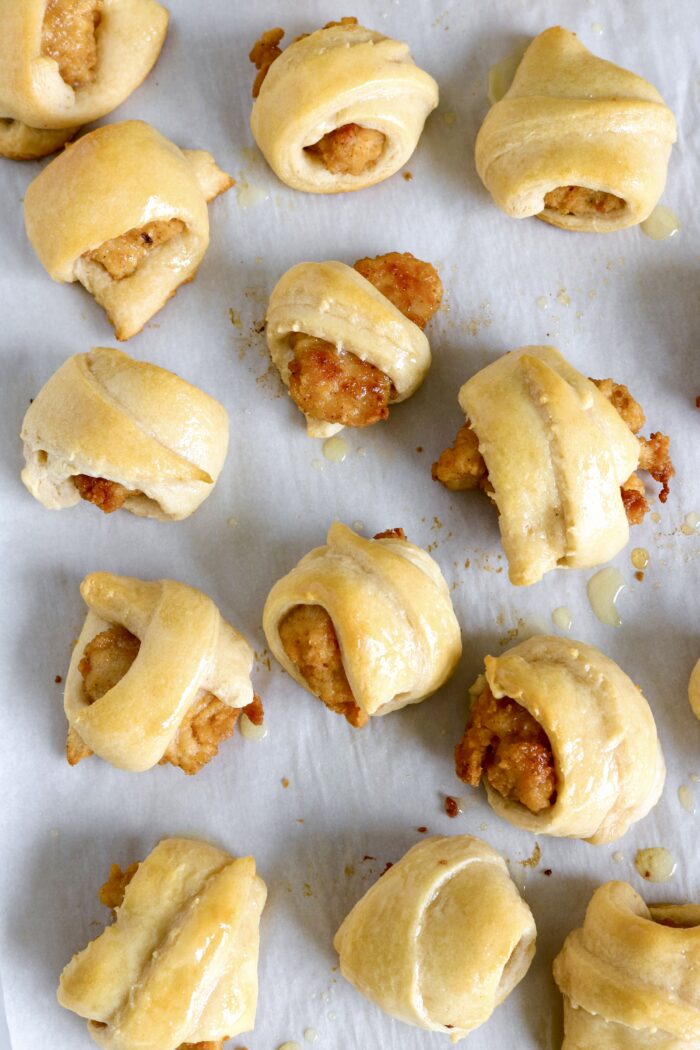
(107, 495)
(122, 256)
(208, 722)
(578, 200)
(505, 744)
(462, 466)
(335, 385)
(68, 35)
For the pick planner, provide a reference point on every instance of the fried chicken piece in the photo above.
(462, 467)
(634, 499)
(349, 149)
(391, 534)
(106, 659)
(336, 385)
(107, 495)
(578, 200)
(413, 286)
(263, 53)
(654, 457)
(254, 711)
(309, 640)
(504, 743)
(207, 723)
(68, 36)
(620, 398)
(123, 255)
(111, 894)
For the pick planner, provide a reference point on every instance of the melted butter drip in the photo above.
(250, 731)
(247, 195)
(289, 1046)
(335, 449)
(640, 558)
(618, 857)
(501, 75)
(655, 864)
(661, 224)
(311, 1035)
(691, 523)
(603, 591)
(562, 618)
(685, 797)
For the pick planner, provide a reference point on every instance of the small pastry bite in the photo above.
(339, 109)
(694, 689)
(630, 976)
(348, 341)
(156, 676)
(178, 967)
(367, 626)
(134, 221)
(64, 63)
(558, 454)
(441, 939)
(118, 432)
(564, 741)
(576, 141)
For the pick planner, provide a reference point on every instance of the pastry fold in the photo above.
(115, 180)
(334, 302)
(107, 415)
(333, 77)
(630, 976)
(129, 37)
(609, 766)
(442, 938)
(392, 614)
(557, 453)
(179, 964)
(187, 649)
(573, 119)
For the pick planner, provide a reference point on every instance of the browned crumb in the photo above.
(639, 576)
(349, 149)
(123, 255)
(577, 200)
(547, 872)
(451, 806)
(697, 401)
(413, 286)
(654, 457)
(255, 711)
(504, 743)
(620, 398)
(76, 750)
(634, 499)
(309, 640)
(208, 722)
(462, 467)
(422, 829)
(407, 176)
(285, 782)
(263, 54)
(107, 495)
(68, 36)
(391, 534)
(58, 679)
(111, 894)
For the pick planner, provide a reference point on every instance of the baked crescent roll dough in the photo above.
(608, 762)
(391, 611)
(630, 976)
(337, 76)
(694, 689)
(114, 181)
(20, 142)
(128, 38)
(187, 648)
(442, 938)
(104, 414)
(334, 302)
(179, 963)
(571, 119)
(557, 453)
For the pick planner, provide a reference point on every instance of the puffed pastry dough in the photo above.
(39, 110)
(572, 119)
(609, 766)
(105, 414)
(187, 648)
(442, 938)
(116, 180)
(179, 963)
(630, 976)
(694, 689)
(391, 611)
(333, 77)
(334, 302)
(557, 452)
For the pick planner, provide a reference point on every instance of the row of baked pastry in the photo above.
(439, 941)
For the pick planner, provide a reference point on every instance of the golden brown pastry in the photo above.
(134, 222)
(366, 625)
(178, 966)
(576, 141)
(339, 109)
(123, 433)
(557, 454)
(157, 675)
(348, 341)
(441, 939)
(564, 740)
(64, 63)
(630, 976)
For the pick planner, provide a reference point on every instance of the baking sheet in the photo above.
(617, 305)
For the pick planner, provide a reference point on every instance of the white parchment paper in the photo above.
(618, 305)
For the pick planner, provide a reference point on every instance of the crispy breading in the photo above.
(76, 749)
(263, 53)
(122, 256)
(111, 893)
(336, 385)
(655, 458)
(621, 399)
(207, 723)
(68, 36)
(106, 659)
(349, 149)
(578, 200)
(107, 495)
(634, 499)
(309, 640)
(504, 743)
(462, 466)
(413, 286)
(391, 534)
(254, 711)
